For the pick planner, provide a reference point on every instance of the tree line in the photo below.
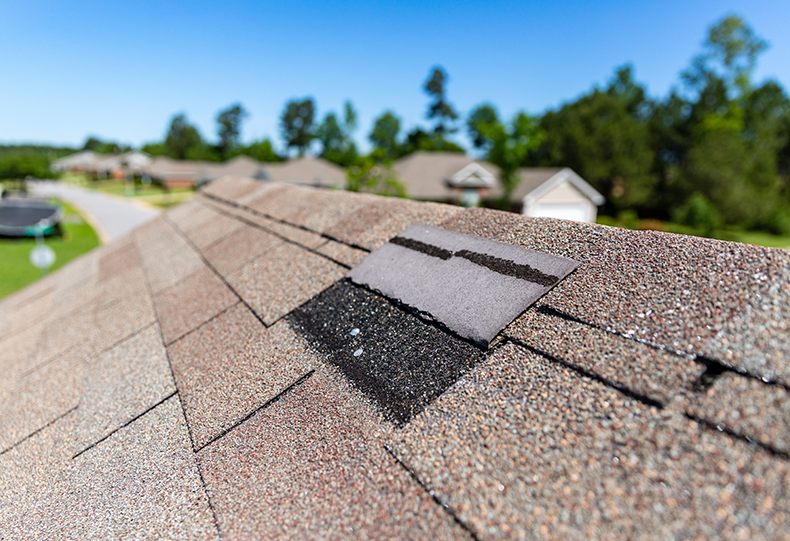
(715, 151)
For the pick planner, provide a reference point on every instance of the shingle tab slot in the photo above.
(474, 286)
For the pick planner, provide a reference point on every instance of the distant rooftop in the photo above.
(217, 374)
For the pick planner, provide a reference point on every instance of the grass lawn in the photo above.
(758, 238)
(16, 270)
(152, 194)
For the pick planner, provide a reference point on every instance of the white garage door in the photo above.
(566, 211)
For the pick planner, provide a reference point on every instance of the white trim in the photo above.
(474, 168)
(564, 174)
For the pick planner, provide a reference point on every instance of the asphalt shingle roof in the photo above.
(215, 375)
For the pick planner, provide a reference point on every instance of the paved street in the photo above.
(114, 216)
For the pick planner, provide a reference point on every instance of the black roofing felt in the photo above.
(473, 286)
(396, 358)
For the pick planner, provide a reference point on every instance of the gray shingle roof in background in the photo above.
(199, 379)
(424, 174)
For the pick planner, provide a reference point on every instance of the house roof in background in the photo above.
(533, 178)
(214, 374)
(425, 174)
(83, 158)
(307, 170)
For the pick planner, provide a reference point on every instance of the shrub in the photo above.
(700, 214)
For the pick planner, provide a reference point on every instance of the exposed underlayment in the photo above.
(215, 375)
(402, 363)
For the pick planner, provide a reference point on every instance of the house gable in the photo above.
(473, 175)
(564, 175)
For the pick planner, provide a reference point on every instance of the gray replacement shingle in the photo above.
(474, 286)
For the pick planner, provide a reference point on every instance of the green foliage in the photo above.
(604, 136)
(154, 149)
(92, 143)
(699, 213)
(24, 164)
(483, 115)
(182, 138)
(18, 162)
(628, 219)
(371, 177)
(104, 147)
(440, 108)
(262, 150)
(505, 145)
(229, 128)
(384, 135)
(336, 138)
(418, 139)
(731, 51)
(296, 124)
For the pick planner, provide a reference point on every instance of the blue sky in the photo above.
(120, 70)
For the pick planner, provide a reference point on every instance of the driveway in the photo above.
(110, 216)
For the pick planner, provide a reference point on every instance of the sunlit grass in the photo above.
(16, 271)
(757, 238)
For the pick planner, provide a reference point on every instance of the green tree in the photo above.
(735, 131)
(419, 139)
(92, 143)
(337, 143)
(229, 128)
(104, 147)
(483, 115)
(262, 150)
(296, 124)
(384, 135)
(700, 214)
(371, 177)
(155, 149)
(24, 164)
(730, 53)
(440, 108)
(604, 136)
(505, 145)
(181, 138)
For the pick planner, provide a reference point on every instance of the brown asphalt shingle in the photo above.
(142, 482)
(39, 398)
(213, 228)
(282, 279)
(166, 257)
(231, 366)
(644, 396)
(671, 290)
(341, 253)
(119, 385)
(655, 374)
(758, 338)
(523, 447)
(381, 219)
(314, 465)
(231, 188)
(225, 255)
(191, 302)
(117, 260)
(746, 407)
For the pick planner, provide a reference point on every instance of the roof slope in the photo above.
(200, 379)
